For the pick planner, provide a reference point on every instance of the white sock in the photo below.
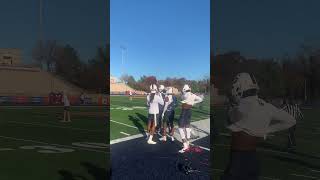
(188, 130)
(182, 134)
(150, 138)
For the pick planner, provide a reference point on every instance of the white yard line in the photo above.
(6, 149)
(318, 171)
(126, 139)
(61, 127)
(198, 124)
(40, 142)
(125, 133)
(124, 124)
(300, 175)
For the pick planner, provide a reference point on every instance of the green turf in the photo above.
(134, 113)
(39, 127)
(275, 162)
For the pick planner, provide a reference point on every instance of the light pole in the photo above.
(123, 52)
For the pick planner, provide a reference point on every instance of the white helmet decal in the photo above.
(241, 83)
(186, 88)
(153, 88)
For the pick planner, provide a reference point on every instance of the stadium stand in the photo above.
(120, 88)
(31, 81)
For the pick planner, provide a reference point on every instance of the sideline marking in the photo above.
(61, 127)
(300, 175)
(125, 133)
(39, 142)
(125, 139)
(141, 135)
(124, 124)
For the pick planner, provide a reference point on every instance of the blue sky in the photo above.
(265, 28)
(167, 38)
(82, 24)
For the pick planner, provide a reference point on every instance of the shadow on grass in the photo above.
(97, 172)
(138, 120)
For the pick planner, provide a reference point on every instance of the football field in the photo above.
(36, 145)
(133, 158)
(275, 161)
(129, 117)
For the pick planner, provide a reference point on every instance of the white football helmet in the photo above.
(186, 87)
(169, 90)
(161, 88)
(241, 83)
(153, 88)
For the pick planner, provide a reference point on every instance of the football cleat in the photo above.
(151, 142)
(172, 138)
(185, 147)
(163, 138)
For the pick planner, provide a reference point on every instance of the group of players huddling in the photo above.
(161, 110)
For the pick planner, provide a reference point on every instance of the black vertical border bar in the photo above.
(212, 132)
(108, 90)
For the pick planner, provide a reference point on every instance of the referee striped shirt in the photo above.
(293, 110)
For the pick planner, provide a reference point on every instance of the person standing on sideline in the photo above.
(168, 115)
(162, 94)
(82, 98)
(130, 95)
(153, 102)
(66, 108)
(249, 118)
(188, 100)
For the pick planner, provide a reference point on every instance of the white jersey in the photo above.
(254, 116)
(66, 100)
(191, 99)
(154, 105)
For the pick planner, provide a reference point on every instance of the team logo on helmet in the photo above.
(153, 88)
(241, 83)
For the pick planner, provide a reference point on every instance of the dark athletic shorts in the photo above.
(66, 108)
(151, 117)
(168, 117)
(185, 118)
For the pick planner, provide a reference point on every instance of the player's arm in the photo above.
(285, 120)
(160, 100)
(148, 101)
(197, 99)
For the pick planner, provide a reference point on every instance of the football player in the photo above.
(153, 101)
(162, 93)
(250, 119)
(66, 107)
(188, 100)
(168, 114)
